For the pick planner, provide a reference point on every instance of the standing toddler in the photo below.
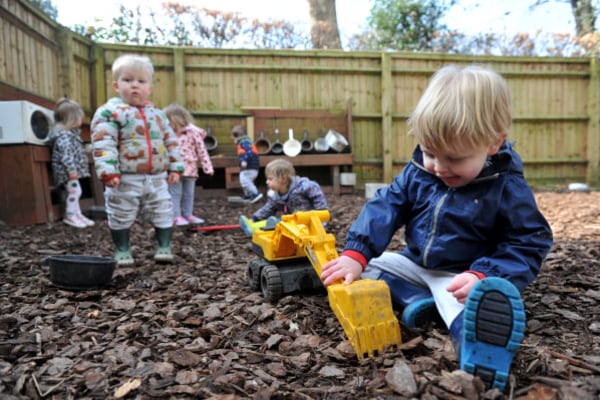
(195, 155)
(249, 163)
(136, 154)
(69, 159)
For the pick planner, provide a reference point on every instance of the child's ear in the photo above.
(115, 85)
(494, 147)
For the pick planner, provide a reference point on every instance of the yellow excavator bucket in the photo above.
(364, 307)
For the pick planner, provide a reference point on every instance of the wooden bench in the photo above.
(267, 120)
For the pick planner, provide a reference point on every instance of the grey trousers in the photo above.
(139, 193)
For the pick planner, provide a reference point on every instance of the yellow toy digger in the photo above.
(364, 308)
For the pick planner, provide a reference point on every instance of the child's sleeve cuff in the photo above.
(478, 274)
(356, 256)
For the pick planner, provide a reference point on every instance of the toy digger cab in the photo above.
(291, 259)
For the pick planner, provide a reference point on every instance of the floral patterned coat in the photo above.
(133, 140)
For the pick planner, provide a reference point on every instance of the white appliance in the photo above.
(24, 122)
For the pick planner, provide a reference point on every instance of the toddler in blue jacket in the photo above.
(474, 235)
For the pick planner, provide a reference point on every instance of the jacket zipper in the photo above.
(436, 214)
(148, 139)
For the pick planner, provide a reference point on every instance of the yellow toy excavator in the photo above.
(364, 307)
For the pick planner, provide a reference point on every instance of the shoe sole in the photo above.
(493, 328)
(75, 225)
(126, 262)
(257, 198)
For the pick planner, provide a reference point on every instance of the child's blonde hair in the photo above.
(280, 168)
(468, 106)
(67, 113)
(238, 131)
(133, 62)
(178, 115)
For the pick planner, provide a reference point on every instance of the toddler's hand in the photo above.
(344, 268)
(243, 164)
(172, 178)
(73, 176)
(461, 286)
(113, 182)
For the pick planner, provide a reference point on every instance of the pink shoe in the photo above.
(194, 220)
(180, 221)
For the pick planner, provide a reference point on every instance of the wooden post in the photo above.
(593, 132)
(67, 78)
(99, 75)
(179, 75)
(386, 116)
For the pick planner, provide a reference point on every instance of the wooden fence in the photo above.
(556, 101)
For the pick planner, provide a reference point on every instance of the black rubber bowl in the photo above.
(76, 272)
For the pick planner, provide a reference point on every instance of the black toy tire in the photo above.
(253, 272)
(270, 282)
(253, 278)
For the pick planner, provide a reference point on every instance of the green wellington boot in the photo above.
(122, 247)
(163, 250)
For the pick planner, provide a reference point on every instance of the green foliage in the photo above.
(47, 7)
(182, 25)
(414, 25)
(406, 24)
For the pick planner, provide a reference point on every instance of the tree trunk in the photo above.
(585, 16)
(324, 30)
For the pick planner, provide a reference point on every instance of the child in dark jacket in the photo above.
(249, 163)
(288, 193)
(474, 235)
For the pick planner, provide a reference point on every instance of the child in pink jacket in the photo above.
(195, 155)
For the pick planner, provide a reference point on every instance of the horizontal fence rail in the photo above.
(556, 101)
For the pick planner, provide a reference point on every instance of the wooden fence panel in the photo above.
(556, 104)
(28, 52)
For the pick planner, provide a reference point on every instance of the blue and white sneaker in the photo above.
(493, 328)
(255, 198)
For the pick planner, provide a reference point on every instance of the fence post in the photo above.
(99, 75)
(64, 37)
(386, 116)
(593, 132)
(179, 75)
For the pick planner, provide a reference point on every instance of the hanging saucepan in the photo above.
(307, 144)
(321, 145)
(277, 147)
(292, 147)
(210, 142)
(263, 145)
(336, 141)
